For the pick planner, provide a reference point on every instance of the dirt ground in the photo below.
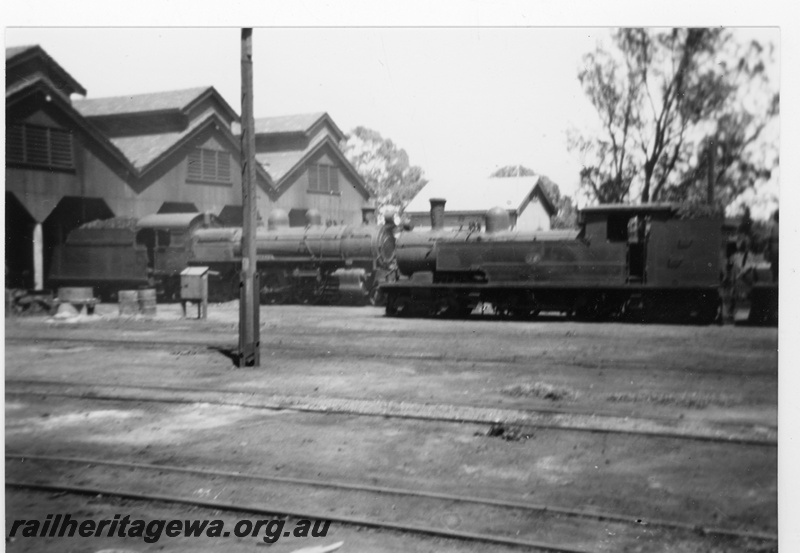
(672, 376)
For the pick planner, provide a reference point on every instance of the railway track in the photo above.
(289, 344)
(538, 527)
(670, 428)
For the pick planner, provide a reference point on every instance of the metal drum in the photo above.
(147, 301)
(128, 302)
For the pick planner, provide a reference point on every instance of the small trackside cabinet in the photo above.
(194, 283)
(194, 288)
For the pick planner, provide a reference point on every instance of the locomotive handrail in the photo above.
(308, 248)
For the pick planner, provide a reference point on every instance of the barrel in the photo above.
(147, 301)
(128, 302)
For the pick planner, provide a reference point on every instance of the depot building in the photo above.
(71, 159)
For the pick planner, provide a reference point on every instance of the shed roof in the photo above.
(13, 51)
(41, 85)
(17, 55)
(282, 167)
(300, 123)
(174, 100)
(279, 164)
(478, 194)
(297, 123)
(142, 150)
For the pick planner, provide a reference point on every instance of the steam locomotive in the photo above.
(311, 264)
(638, 263)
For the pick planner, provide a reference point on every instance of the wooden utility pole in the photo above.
(712, 169)
(249, 343)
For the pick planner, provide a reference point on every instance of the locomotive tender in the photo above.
(122, 253)
(633, 262)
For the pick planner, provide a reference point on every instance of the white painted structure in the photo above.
(468, 201)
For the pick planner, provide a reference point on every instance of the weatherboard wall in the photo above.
(342, 207)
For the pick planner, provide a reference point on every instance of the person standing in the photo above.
(772, 246)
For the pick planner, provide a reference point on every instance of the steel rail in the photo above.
(329, 410)
(542, 508)
(277, 510)
(148, 342)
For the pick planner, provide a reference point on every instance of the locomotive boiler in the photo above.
(311, 264)
(627, 262)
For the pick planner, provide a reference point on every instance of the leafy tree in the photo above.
(383, 166)
(566, 215)
(667, 98)
(513, 171)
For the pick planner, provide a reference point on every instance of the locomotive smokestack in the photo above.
(368, 215)
(437, 213)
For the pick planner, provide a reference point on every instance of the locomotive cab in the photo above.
(166, 239)
(626, 227)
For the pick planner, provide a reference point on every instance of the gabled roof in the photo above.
(146, 152)
(44, 86)
(179, 101)
(282, 167)
(279, 164)
(302, 123)
(13, 51)
(174, 100)
(63, 81)
(142, 150)
(477, 195)
(137, 155)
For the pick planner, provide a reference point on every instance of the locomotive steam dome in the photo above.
(277, 218)
(313, 218)
(497, 219)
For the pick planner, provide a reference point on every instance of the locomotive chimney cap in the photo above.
(437, 213)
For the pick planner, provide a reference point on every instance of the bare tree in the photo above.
(664, 97)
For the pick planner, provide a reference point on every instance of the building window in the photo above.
(45, 147)
(323, 178)
(209, 165)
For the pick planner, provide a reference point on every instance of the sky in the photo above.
(460, 101)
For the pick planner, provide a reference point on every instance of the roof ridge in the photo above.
(199, 89)
(16, 50)
(320, 113)
(16, 53)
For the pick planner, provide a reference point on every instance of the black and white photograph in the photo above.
(459, 284)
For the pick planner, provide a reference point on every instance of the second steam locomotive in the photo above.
(624, 262)
(311, 264)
